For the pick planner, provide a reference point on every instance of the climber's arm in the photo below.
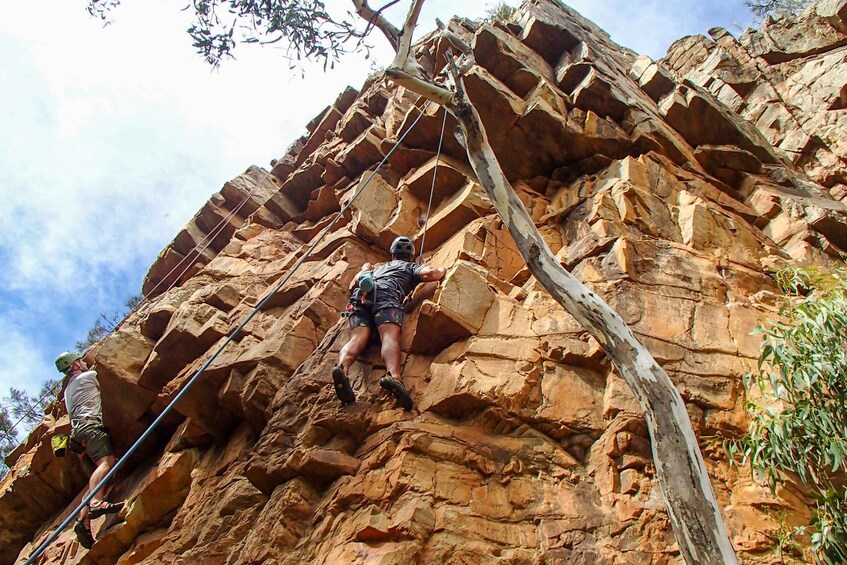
(431, 274)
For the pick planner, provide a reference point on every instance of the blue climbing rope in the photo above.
(188, 385)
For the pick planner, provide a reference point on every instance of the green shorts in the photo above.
(94, 437)
(362, 318)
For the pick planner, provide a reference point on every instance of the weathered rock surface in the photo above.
(212, 229)
(667, 187)
(789, 79)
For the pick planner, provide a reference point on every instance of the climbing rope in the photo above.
(199, 248)
(432, 188)
(8, 433)
(217, 352)
(206, 241)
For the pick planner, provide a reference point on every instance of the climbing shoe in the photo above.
(341, 383)
(83, 534)
(101, 508)
(399, 391)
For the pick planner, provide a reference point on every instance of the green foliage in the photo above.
(104, 325)
(20, 413)
(498, 13)
(789, 7)
(8, 439)
(796, 402)
(304, 27)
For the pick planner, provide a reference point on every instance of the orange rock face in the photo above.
(663, 186)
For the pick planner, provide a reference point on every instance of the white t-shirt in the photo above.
(82, 397)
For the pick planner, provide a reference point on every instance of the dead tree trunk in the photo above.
(680, 468)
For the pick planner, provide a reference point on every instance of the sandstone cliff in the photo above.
(671, 188)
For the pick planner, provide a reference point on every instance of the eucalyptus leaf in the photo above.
(799, 425)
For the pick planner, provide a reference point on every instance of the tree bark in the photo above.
(435, 93)
(374, 18)
(680, 468)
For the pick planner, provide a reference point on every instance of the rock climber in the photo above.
(82, 399)
(377, 303)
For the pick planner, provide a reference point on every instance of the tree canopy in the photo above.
(304, 26)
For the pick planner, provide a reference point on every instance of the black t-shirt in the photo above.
(394, 280)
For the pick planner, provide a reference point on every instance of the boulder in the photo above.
(459, 309)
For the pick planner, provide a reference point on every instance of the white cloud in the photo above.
(21, 364)
(114, 137)
(122, 133)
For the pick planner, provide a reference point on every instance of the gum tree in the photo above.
(798, 424)
(20, 413)
(312, 32)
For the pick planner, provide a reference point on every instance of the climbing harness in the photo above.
(362, 295)
(358, 298)
(40, 549)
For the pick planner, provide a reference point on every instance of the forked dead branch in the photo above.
(680, 468)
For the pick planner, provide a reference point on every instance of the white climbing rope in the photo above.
(199, 248)
(206, 241)
(31, 559)
(432, 188)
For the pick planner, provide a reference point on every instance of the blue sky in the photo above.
(112, 138)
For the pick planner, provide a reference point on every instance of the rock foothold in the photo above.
(671, 188)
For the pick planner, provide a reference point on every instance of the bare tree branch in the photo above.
(427, 89)
(459, 44)
(404, 59)
(376, 19)
(454, 39)
(680, 468)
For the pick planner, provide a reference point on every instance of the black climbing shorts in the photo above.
(94, 437)
(362, 318)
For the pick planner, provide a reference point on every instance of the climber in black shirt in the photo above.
(377, 303)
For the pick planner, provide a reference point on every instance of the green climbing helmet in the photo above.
(65, 360)
(402, 246)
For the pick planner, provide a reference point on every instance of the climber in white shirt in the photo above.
(82, 399)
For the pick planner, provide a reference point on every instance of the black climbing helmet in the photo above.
(402, 247)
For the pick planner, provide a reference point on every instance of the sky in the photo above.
(112, 137)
